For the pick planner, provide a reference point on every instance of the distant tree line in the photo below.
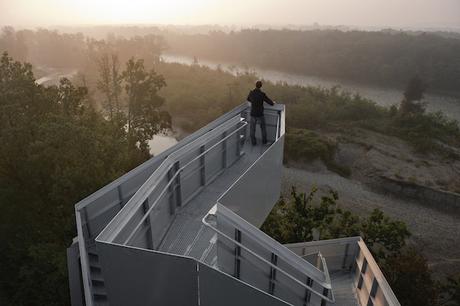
(52, 49)
(386, 58)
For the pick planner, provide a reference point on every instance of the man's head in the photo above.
(259, 84)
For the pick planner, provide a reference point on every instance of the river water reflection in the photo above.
(382, 96)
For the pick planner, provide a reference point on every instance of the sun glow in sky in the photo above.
(436, 13)
(139, 11)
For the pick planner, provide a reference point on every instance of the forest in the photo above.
(386, 58)
(60, 143)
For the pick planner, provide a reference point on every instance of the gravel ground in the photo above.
(436, 233)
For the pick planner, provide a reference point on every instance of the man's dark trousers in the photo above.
(261, 120)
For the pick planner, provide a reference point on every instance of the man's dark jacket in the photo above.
(257, 98)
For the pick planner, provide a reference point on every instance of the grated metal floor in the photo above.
(187, 234)
(344, 291)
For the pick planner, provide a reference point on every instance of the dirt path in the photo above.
(436, 233)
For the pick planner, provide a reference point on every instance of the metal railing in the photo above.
(168, 165)
(173, 178)
(378, 282)
(119, 222)
(271, 265)
(345, 254)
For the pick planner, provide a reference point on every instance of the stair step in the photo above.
(93, 257)
(99, 292)
(97, 282)
(95, 269)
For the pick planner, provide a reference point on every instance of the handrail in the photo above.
(331, 300)
(326, 272)
(378, 275)
(278, 126)
(115, 226)
(192, 137)
(147, 213)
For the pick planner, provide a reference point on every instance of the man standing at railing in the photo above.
(257, 98)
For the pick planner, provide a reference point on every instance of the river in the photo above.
(160, 143)
(382, 96)
(54, 75)
(450, 106)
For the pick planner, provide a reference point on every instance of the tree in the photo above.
(116, 82)
(104, 83)
(413, 94)
(13, 42)
(411, 280)
(415, 89)
(384, 236)
(145, 118)
(109, 83)
(451, 291)
(295, 220)
(405, 268)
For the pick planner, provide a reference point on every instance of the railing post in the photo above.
(172, 196)
(224, 151)
(345, 257)
(307, 298)
(145, 207)
(178, 184)
(203, 165)
(85, 227)
(238, 144)
(237, 254)
(271, 284)
(120, 196)
(325, 293)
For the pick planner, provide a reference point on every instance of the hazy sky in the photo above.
(395, 13)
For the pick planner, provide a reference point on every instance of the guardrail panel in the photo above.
(253, 271)
(217, 288)
(253, 196)
(289, 291)
(139, 277)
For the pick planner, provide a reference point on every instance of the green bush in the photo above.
(304, 146)
(425, 132)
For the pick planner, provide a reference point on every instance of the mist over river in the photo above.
(449, 105)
